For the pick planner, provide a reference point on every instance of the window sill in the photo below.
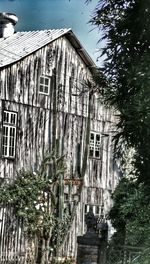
(95, 158)
(9, 158)
(44, 93)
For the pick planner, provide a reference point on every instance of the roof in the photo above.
(21, 44)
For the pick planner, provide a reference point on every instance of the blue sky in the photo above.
(46, 14)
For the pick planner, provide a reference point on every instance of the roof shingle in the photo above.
(24, 43)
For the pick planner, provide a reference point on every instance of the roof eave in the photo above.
(80, 50)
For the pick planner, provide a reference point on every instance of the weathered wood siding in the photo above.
(60, 117)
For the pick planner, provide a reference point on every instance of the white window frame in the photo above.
(44, 85)
(95, 145)
(9, 134)
(94, 209)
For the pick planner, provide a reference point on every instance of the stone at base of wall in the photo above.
(91, 249)
(87, 254)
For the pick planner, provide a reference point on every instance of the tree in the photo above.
(126, 32)
(125, 27)
(130, 217)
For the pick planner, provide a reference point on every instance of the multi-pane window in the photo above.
(9, 134)
(44, 85)
(95, 145)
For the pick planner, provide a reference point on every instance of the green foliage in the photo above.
(126, 33)
(136, 210)
(130, 217)
(120, 196)
(28, 195)
(33, 197)
(143, 257)
(60, 230)
(127, 68)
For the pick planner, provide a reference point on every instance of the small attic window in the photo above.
(44, 85)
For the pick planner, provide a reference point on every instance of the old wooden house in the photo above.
(44, 100)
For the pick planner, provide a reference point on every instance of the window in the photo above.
(95, 144)
(44, 85)
(9, 134)
(96, 209)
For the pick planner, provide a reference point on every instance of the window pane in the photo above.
(92, 136)
(97, 210)
(97, 154)
(97, 137)
(13, 119)
(92, 146)
(41, 88)
(98, 143)
(91, 208)
(97, 148)
(5, 140)
(41, 80)
(85, 209)
(91, 153)
(46, 89)
(6, 117)
(46, 81)
(11, 131)
(4, 150)
(5, 131)
(11, 152)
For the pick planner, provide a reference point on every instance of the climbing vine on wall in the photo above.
(33, 197)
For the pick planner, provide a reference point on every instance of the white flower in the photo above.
(37, 206)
